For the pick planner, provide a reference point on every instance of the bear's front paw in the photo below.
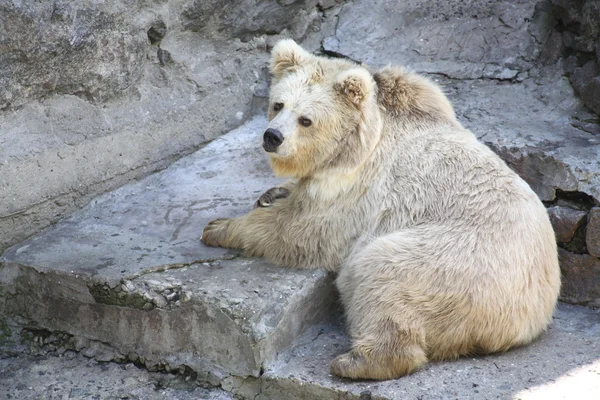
(215, 233)
(269, 197)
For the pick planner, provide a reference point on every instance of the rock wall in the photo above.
(576, 38)
(576, 221)
(572, 40)
(95, 94)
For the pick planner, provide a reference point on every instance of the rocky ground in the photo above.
(73, 376)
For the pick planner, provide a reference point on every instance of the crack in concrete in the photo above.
(166, 267)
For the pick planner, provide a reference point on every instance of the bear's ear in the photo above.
(287, 56)
(355, 84)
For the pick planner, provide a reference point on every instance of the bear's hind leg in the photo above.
(388, 332)
(390, 350)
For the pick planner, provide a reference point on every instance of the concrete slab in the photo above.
(563, 364)
(130, 273)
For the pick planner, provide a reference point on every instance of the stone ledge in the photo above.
(226, 317)
(130, 272)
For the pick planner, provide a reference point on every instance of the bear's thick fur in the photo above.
(441, 250)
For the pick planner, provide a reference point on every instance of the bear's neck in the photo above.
(333, 183)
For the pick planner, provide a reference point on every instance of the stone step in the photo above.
(563, 364)
(128, 279)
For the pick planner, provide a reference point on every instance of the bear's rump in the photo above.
(470, 293)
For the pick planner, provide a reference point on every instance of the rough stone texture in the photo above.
(580, 278)
(246, 19)
(577, 36)
(563, 364)
(96, 94)
(128, 278)
(95, 50)
(586, 80)
(72, 376)
(90, 50)
(592, 235)
(466, 41)
(565, 222)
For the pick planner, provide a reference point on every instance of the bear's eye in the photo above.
(277, 106)
(305, 122)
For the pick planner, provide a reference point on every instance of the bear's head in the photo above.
(323, 114)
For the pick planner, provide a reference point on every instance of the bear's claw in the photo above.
(366, 364)
(348, 365)
(269, 197)
(215, 233)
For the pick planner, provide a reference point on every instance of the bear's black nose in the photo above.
(272, 139)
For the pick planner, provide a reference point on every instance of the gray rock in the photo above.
(70, 376)
(451, 38)
(578, 22)
(497, 72)
(565, 222)
(246, 19)
(581, 18)
(57, 155)
(592, 235)
(98, 94)
(92, 50)
(580, 278)
(586, 80)
(235, 314)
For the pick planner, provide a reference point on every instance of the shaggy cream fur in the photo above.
(441, 250)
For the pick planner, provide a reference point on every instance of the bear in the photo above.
(440, 249)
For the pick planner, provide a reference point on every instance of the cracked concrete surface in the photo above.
(129, 271)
